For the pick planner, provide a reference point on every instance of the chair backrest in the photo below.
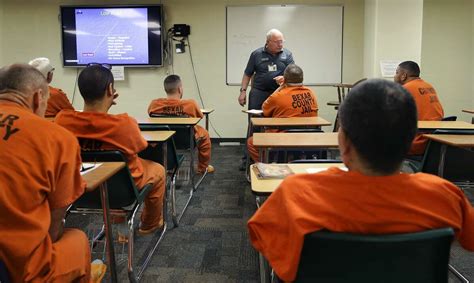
(150, 153)
(338, 257)
(458, 161)
(450, 118)
(121, 187)
(4, 274)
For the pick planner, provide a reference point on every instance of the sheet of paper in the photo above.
(88, 167)
(118, 72)
(388, 68)
(254, 111)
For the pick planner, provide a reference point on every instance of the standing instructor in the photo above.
(266, 64)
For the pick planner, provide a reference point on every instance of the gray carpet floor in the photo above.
(211, 244)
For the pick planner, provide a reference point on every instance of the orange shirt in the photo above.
(175, 107)
(109, 132)
(350, 202)
(57, 101)
(291, 101)
(428, 107)
(39, 172)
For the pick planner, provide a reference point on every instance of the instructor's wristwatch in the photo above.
(243, 89)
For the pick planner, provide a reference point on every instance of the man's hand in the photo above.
(242, 98)
(279, 80)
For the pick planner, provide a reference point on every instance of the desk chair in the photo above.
(174, 161)
(342, 91)
(339, 257)
(458, 162)
(450, 118)
(184, 140)
(4, 274)
(124, 199)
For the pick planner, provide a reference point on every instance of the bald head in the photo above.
(21, 78)
(293, 74)
(273, 32)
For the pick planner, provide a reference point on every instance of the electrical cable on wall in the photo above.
(179, 33)
(75, 86)
(198, 88)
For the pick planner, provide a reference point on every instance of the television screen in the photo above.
(117, 35)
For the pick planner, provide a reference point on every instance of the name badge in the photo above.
(272, 67)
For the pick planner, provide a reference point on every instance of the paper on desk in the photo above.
(317, 170)
(254, 111)
(88, 167)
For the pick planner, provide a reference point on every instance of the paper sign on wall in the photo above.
(388, 68)
(118, 72)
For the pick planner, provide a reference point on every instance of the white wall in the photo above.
(392, 31)
(33, 31)
(447, 53)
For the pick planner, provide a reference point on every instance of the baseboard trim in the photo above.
(228, 141)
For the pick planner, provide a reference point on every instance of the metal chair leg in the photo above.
(457, 274)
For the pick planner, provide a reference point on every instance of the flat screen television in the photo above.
(117, 35)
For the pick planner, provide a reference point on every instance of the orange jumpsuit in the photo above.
(120, 132)
(40, 172)
(290, 101)
(57, 101)
(186, 107)
(429, 109)
(350, 202)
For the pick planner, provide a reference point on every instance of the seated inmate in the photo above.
(291, 99)
(426, 99)
(174, 105)
(39, 179)
(57, 98)
(378, 123)
(96, 129)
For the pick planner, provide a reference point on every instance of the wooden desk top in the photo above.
(453, 140)
(289, 122)
(207, 110)
(168, 121)
(432, 125)
(100, 174)
(157, 136)
(295, 140)
(267, 186)
(471, 111)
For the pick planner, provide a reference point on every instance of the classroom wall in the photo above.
(447, 53)
(392, 32)
(33, 30)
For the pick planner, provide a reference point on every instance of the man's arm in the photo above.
(243, 89)
(56, 226)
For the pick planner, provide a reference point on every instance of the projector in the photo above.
(181, 30)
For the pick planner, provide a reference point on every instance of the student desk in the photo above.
(450, 140)
(264, 187)
(293, 122)
(174, 121)
(161, 138)
(97, 178)
(448, 125)
(206, 113)
(266, 141)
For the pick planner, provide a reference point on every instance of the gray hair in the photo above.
(21, 78)
(273, 32)
(43, 65)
